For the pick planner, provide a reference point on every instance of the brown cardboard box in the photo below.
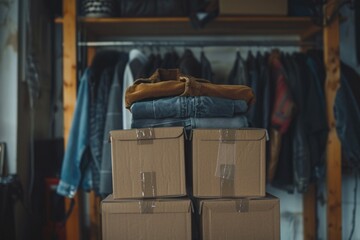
(256, 219)
(148, 162)
(253, 7)
(146, 219)
(228, 163)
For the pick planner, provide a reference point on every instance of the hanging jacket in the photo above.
(282, 109)
(238, 73)
(170, 61)
(206, 70)
(255, 111)
(265, 94)
(113, 122)
(317, 126)
(98, 109)
(347, 115)
(301, 90)
(73, 175)
(136, 62)
(189, 65)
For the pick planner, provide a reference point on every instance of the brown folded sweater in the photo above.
(170, 82)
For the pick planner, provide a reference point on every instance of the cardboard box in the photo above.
(148, 163)
(255, 219)
(228, 162)
(253, 7)
(146, 219)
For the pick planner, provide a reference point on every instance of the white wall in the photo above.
(9, 78)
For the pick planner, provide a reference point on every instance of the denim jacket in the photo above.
(72, 174)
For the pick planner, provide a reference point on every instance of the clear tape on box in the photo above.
(225, 165)
(242, 205)
(147, 206)
(148, 179)
(145, 135)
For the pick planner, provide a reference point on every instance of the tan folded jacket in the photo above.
(170, 82)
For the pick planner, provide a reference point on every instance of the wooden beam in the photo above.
(69, 98)
(309, 213)
(333, 161)
(309, 203)
(95, 221)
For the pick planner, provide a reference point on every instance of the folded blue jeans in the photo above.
(184, 107)
(239, 121)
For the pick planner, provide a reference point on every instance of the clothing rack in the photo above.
(227, 43)
(122, 28)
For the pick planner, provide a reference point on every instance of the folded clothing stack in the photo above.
(169, 98)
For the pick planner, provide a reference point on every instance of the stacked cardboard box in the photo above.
(228, 170)
(148, 186)
(223, 174)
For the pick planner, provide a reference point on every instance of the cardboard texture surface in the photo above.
(223, 219)
(148, 163)
(124, 219)
(230, 164)
(253, 7)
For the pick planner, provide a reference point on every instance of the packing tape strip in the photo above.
(226, 152)
(227, 172)
(147, 206)
(145, 135)
(242, 205)
(148, 184)
(227, 136)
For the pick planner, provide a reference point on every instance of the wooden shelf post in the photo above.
(69, 98)
(333, 151)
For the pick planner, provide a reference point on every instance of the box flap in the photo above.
(230, 205)
(260, 220)
(155, 133)
(248, 134)
(135, 206)
(228, 163)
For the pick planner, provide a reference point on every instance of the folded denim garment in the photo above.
(170, 82)
(183, 107)
(191, 123)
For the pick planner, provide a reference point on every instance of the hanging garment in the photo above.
(265, 90)
(98, 109)
(347, 115)
(113, 122)
(255, 111)
(353, 79)
(154, 62)
(300, 89)
(189, 65)
(136, 62)
(282, 108)
(206, 70)
(171, 82)
(238, 73)
(73, 172)
(317, 126)
(170, 61)
(183, 107)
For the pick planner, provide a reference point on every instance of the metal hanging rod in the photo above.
(237, 43)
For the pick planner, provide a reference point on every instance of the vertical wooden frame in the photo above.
(333, 150)
(69, 98)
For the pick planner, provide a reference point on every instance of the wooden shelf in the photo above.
(223, 25)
